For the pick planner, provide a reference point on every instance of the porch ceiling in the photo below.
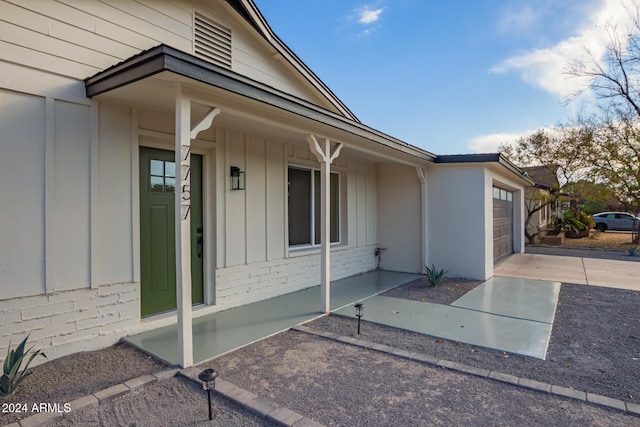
(148, 80)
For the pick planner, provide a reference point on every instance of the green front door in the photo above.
(157, 231)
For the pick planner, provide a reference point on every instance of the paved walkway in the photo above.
(567, 269)
(514, 315)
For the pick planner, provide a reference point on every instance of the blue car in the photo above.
(616, 221)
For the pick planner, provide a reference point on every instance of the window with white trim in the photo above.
(304, 206)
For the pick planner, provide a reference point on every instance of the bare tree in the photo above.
(614, 78)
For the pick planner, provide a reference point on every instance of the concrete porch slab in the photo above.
(224, 331)
(514, 297)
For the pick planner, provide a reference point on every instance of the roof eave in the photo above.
(248, 10)
(164, 58)
(485, 158)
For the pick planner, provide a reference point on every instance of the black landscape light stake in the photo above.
(208, 378)
(359, 307)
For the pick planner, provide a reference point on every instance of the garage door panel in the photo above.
(502, 225)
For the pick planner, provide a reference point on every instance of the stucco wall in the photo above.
(458, 220)
(400, 218)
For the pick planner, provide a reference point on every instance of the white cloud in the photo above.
(518, 20)
(489, 143)
(369, 16)
(546, 68)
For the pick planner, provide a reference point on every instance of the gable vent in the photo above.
(212, 41)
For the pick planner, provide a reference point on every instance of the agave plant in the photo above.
(434, 276)
(11, 374)
(633, 251)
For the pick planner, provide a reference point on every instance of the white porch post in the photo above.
(325, 156)
(183, 227)
(422, 177)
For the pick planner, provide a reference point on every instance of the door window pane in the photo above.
(157, 167)
(170, 169)
(157, 183)
(162, 179)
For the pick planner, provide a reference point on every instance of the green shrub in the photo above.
(633, 251)
(11, 374)
(582, 222)
(586, 219)
(434, 276)
(572, 224)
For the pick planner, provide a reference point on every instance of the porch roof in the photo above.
(170, 65)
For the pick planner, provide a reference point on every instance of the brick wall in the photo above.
(244, 284)
(66, 322)
(88, 319)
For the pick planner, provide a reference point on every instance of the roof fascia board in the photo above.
(485, 158)
(164, 58)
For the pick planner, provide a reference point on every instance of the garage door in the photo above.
(502, 224)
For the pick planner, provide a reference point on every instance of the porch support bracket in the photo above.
(205, 122)
(325, 155)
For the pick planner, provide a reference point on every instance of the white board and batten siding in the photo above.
(253, 258)
(68, 232)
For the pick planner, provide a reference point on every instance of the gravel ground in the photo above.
(342, 385)
(594, 346)
(172, 402)
(418, 290)
(607, 245)
(70, 377)
(618, 240)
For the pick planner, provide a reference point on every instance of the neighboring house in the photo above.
(96, 97)
(540, 201)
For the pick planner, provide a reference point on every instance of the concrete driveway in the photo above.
(586, 271)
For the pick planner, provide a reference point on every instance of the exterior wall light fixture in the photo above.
(237, 178)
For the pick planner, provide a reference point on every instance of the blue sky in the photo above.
(451, 77)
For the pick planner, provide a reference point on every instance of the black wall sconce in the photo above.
(237, 178)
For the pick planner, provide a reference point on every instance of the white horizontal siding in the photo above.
(138, 18)
(42, 43)
(78, 38)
